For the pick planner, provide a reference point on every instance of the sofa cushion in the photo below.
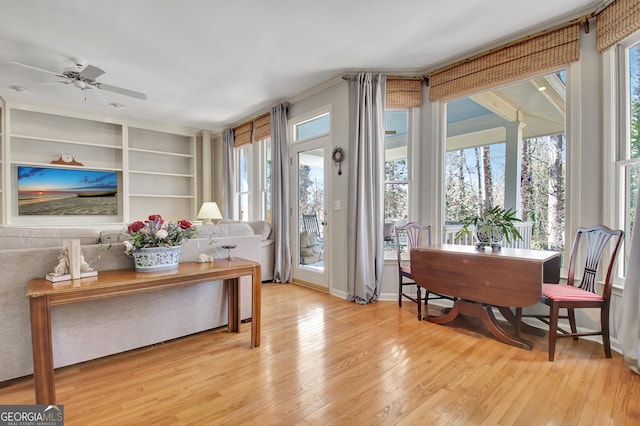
(16, 238)
(232, 229)
(261, 227)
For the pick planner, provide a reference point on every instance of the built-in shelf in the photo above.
(156, 165)
(142, 172)
(62, 166)
(171, 154)
(161, 196)
(65, 141)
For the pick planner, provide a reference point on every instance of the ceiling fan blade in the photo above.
(91, 73)
(97, 92)
(120, 90)
(37, 69)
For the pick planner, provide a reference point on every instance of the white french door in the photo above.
(310, 220)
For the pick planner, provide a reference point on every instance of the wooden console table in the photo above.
(43, 295)
(481, 279)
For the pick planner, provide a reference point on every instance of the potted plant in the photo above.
(491, 225)
(156, 244)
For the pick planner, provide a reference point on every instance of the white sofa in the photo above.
(267, 245)
(94, 329)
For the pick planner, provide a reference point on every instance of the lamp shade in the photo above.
(209, 210)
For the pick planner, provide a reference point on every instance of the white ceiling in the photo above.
(211, 63)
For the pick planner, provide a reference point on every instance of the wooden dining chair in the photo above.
(415, 235)
(582, 293)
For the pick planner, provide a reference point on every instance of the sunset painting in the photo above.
(53, 191)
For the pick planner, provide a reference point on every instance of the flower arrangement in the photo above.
(156, 232)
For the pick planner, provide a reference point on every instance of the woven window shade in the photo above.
(514, 61)
(262, 127)
(242, 134)
(403, 93)
(617, 21)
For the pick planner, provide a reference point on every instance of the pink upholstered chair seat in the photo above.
(406, 269)
(568, 292)
(595, 240)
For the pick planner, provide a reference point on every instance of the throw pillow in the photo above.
(304, 239)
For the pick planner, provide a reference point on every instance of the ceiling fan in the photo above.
(84, 77)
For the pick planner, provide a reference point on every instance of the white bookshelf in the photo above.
(155, 163)
(162, 173)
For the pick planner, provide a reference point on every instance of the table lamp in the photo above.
(209, 212)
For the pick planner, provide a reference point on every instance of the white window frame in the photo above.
(261, 153)
(257, 155)
(249, 192)
(413, 163)
(305, 118)
(616, 88)
(438, 118)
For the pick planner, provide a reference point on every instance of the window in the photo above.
(628, 149)
(265, 163)
(396, 173)
(507, 147)
(312, 128)
(243, 183)
(253, 181)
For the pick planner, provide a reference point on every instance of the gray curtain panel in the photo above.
(629, 327)
(228, 166)
(365, 233)
(280, 187)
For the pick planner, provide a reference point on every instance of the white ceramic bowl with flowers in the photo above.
(156, 232)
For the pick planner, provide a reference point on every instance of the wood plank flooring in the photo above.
(325, 361)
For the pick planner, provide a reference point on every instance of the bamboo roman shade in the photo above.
(242, 134)
(617, 21)
(521, 59)
(262, 127)
(253, 131)
(403, 93)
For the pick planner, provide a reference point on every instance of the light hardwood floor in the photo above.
(327, 361)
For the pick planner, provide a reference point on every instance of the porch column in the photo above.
(513, 166)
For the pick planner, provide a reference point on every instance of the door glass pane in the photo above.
(311, 208)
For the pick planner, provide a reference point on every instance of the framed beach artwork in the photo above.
(61, 191)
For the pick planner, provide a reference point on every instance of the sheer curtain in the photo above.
(629, 327)
(365, 239)
(280, 190)
(228, 171)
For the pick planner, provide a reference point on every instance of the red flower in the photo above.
(184, 224)
(156, 218)
(135, 227)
